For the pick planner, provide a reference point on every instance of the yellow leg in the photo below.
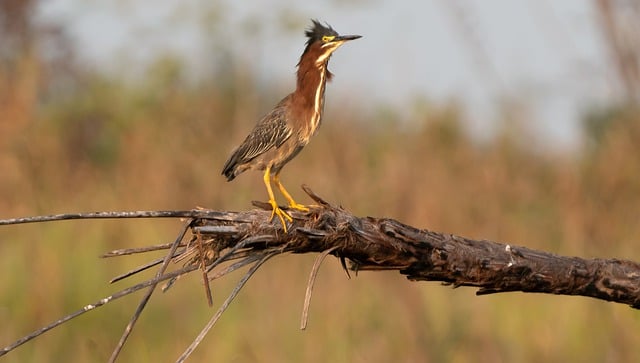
(292, 203)
(272, 200)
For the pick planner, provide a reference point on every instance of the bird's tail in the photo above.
(229, 169)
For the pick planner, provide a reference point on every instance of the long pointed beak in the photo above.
(344, 38)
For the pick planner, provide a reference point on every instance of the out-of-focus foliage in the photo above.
(90, 142)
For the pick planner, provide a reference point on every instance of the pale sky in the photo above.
(545, 55)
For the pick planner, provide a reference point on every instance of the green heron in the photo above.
(280, 135)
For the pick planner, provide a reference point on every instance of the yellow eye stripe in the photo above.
(327, 38)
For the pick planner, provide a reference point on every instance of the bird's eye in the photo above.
(327, 38)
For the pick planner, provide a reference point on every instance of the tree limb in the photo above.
(385, 244)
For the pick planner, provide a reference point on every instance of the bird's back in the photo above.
(269, 134)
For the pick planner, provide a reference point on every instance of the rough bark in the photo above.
(385, 244)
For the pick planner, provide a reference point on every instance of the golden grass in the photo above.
(161, 145)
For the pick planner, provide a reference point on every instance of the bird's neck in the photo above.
(311, 81)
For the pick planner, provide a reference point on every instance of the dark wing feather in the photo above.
(271, 131)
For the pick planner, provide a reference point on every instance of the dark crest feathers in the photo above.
(317, 31)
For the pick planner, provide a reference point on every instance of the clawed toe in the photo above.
(282, 215)
(299, 207)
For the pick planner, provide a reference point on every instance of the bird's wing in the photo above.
(271, 131)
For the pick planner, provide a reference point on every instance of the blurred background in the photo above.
(514, 121)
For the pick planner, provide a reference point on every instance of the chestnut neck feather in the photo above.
(311, 81)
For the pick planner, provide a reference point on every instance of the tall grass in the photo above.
(160, 144)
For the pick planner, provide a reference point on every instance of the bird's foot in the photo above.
(300, 207)
(282, 215)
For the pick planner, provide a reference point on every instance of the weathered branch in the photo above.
(386, 244)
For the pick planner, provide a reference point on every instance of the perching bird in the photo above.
(280, 135)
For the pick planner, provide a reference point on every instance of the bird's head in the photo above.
(323, 40)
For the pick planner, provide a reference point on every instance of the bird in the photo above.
(281, 134)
